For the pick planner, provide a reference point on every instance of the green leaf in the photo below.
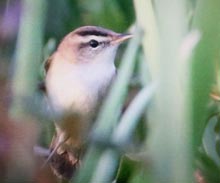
(202, 74)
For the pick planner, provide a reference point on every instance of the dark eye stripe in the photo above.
(92, 33)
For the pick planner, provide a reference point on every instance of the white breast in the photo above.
(77, 87)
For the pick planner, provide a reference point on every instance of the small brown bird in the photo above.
(78, 76)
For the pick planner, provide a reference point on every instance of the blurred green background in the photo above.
(160, 122)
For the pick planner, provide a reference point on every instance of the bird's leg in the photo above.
(61, 141)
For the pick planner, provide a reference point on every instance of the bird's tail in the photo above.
(63, 160)
(67, 146)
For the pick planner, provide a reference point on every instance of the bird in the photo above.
(78, 77)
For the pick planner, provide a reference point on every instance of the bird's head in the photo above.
(91, 44)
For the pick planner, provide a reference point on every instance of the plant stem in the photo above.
(28, 54)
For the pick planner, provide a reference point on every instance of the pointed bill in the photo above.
(120, 38)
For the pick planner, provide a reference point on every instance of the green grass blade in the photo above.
(28, 54)
(169, 126)
(146, 20)
(106, 168)
(109, 160)
(129, 120)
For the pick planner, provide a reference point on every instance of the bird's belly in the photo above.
(79, 99)
(70, 96)
(78, 89)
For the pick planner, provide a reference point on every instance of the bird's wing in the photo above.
(47, 63)
(41, 85)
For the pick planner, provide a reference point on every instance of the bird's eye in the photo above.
(93, 43)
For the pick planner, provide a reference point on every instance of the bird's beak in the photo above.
(121, 38)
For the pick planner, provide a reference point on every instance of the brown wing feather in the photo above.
(41, 85)
(47, 63)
